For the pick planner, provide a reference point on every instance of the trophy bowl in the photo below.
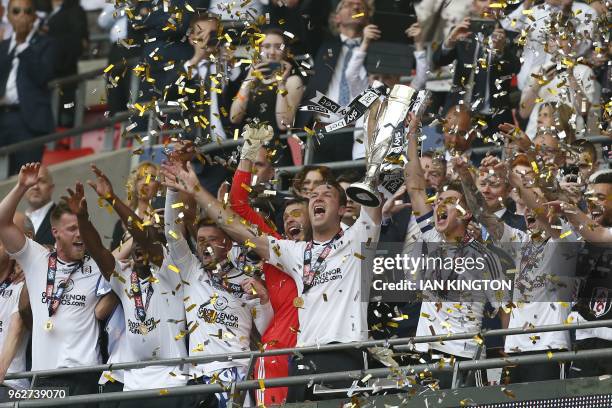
(363, 194)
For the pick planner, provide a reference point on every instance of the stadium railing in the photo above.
(397, 344)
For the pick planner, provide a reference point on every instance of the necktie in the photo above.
(345, 94)
(5, 71)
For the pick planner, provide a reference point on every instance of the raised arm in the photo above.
(14, 337)
(144, 235)
(415, 178)
(102, 256)
(11, 236)
(476, 202)
(583, 225)
(176, 177)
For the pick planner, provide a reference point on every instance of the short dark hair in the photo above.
(299, 178)
(204, 16)
(435, 157)
(454, 185)
(59, 210)
(341, 193)
(296, 200)
(585, 145)
(348, 177)
(206, 222)
(602, 177)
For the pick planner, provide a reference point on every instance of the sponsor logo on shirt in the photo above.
(135, 327)
(68, 299)
(214, 317)
(7, 293)
(327, 276)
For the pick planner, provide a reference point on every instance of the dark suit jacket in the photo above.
(308, 21)
(37, 66)
(69, 28)
(324, 66)
(502, 67)
(43, 235)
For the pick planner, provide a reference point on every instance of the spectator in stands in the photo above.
(6, 30)
(334, 249)
(353, 209)
(448, 222)
(556, 116)
(154, 313)
(67, 25)
(310, 177)
(306, 20)
(143, 198)
(27, 63)
(484, 88)
(458, 136)
(237, 11)
(14, 334)
(496, 191)
(358, 82)
(586, 159)
(439, 17)
(579, 89)
(114, 20)
(271, 92)
(40, 207)
(521, 166)
(330, 76)
(64, 330)
(537, 23)
(207, 122)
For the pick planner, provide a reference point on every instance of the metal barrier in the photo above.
(457, 367)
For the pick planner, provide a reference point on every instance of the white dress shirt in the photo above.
(37, 216)
(11, 97)
(215, 119)
(333, 90)
(537, 28)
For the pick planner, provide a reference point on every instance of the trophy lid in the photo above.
(402, 92)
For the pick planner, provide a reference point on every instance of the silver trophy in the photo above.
(384, 129)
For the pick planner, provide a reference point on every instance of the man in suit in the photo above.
(27, 63)
(200, 80)
(40, 206)
(67, 24)
(487, 88)
(330, 65)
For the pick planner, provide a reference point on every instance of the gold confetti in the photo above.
(358, 15)
(107, 69)
(177, 205)
(173, 268)
(109, 377)
(565, 234)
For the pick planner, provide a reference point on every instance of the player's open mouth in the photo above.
(294, 231)
(78, 245)
(319, 210)
(441, 214)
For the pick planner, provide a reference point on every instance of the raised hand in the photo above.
(255, 289)
(102, 186)
(459, 32)
(394, 204)
(513, 134)
(28, 175)
(370, 33)
(177, 178)
(184, 151)
(76, 200)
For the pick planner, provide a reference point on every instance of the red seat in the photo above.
(59, 156)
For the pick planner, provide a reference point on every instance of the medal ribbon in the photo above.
(4, 285)
(309, 273)
(54, 300)
(141, 309)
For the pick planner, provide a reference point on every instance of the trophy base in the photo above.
(363, 194)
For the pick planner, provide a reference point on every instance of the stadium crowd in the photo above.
(210, 257)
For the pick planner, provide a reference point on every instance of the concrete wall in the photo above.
(115, 164)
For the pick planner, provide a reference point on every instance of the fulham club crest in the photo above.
(600, 301)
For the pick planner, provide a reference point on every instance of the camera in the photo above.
(482, 25)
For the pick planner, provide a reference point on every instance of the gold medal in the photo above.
(143, 329)
(298, 302)
(49, 325)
